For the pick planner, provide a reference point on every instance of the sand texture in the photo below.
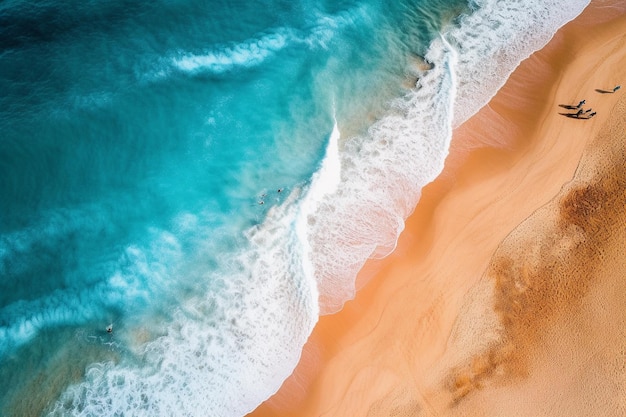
(506, 295)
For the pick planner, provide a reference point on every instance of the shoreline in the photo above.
(362, 361)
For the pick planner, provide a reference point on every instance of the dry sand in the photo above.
(506, 294)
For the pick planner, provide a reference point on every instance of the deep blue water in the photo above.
(154, 158)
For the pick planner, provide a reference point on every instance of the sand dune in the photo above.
(506, 294)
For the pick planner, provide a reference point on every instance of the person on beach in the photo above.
(592, 114)
(617, 87)
(581, 103)
(578, 113)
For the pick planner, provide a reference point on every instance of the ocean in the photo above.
(186, 186)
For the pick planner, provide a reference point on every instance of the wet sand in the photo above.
(506, 294)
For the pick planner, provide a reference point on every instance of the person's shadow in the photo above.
(617, 87)
(572, 115)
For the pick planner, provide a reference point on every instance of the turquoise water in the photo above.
(165, 169)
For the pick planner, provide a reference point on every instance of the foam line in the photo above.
(243, 55)
(255, 51)
(324, 182)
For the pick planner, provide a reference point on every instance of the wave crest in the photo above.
(247, 54)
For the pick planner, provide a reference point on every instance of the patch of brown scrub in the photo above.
(542, 270)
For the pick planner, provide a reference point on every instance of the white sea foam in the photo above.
(494, 39)
(325, 27)
(384, 171)
(325, 182)
(249, 53)
(254, 51)
(224, 351)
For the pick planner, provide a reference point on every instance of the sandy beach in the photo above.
(505, 295)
